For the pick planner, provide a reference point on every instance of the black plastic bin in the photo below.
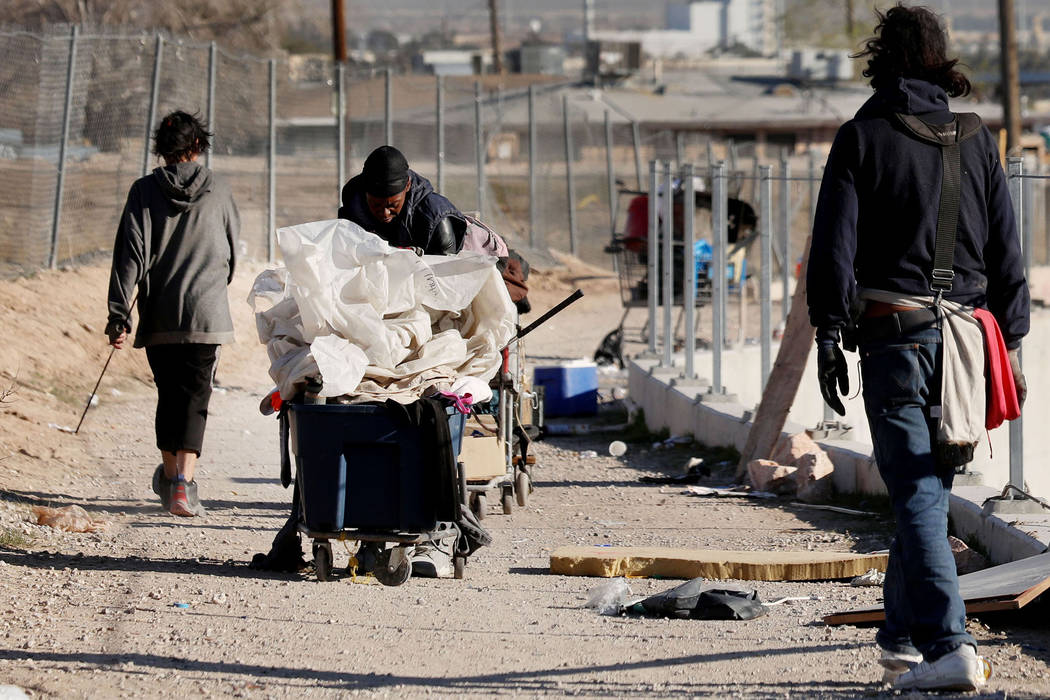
(363, 467)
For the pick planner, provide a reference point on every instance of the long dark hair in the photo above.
(179, 135)
(910, 42)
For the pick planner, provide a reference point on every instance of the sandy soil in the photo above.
(94, 614)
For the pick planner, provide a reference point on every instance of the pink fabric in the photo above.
(1002, 393)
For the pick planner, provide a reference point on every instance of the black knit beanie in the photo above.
(385, 172)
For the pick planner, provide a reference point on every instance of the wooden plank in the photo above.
(677, 562)
(784, 378)
(1006, 587)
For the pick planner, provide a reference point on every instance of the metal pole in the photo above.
(533, 212)
(610, 171)
(785, 238)
(440, 119)
(667, 273)
(689, 278)
(1015, 170)
(67, 111)
(388, 112)
(636, 138)
(570, 184)
(479, 152)
(719, 236)
(213, 67)
(340, 99)
(766, 222)
(654, 251)
(154, 92)
(271, 166)
(679, 147)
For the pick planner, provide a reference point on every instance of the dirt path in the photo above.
(95, 614)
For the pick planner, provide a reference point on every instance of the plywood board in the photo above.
(678, 562)
(482, 458)
(1005, 587)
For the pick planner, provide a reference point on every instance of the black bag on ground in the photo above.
(702, 600)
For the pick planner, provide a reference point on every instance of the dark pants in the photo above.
(182, 373)
(902, 379)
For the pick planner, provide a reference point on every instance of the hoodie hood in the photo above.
(907, 96)
(183, 183)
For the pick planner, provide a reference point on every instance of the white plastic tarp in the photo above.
(376, 322)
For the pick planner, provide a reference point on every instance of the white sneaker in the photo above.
(430, 561)
(895, 663)
(959, 669)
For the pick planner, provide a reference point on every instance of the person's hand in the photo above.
(831, 371)
(1019, 383)
(117, 332)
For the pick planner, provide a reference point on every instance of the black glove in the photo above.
(831, 368)
(1019, 383)
(115, 327)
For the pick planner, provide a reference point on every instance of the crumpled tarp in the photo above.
(376, 322)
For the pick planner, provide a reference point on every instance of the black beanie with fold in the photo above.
(385, 172)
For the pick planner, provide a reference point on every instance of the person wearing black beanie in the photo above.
(400, 206)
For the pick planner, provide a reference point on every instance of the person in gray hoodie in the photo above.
(174, 255)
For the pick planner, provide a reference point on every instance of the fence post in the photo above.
(153, 95)
(667, 263)
(213, 67)
(719, 234)
(388, 110)
(785, 237)
(570, 152)
(636, 138)
(479, 151)
(440, 119)
(271, 166)
(340, 107)
(689, 278)
(67, 111)
(610, 170)
(533, 213)
(765, 284)
(1015, 170)
(654, 252)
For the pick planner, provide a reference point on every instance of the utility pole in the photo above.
(849, 20)
(497, 43)
(1010, 79)
(338, 32)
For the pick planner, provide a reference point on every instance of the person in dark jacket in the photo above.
(174, 256)
(401, 207)
(875, 229)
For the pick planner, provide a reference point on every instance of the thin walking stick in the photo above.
(102, 374)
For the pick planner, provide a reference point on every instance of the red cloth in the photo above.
(1002, 393)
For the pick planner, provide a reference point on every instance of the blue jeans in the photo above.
(902, 379)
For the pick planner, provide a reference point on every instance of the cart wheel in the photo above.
(323, 560)
(459, 563)
(508, 500)
(522, 488)
(402, 567)
(480, 506)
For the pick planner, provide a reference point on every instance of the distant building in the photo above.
(822, 65)
(453, 61)
(538, 58)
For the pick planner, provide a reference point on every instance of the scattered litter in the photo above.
(701, 600)
(218, 599)
(611, 523)
(792, 599)
(588, 454)
(219, 389)
(114, 392)
(617, 448)
(610, 597)
(154, 595)
(836, 509)
(734, 490)
(93, 400)
(63, 428)
(871, 577)
(694, 472)
(69, 518)
(181, 606)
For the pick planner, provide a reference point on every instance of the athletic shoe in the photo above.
(431, 561)
(959, 669)
(896, 662)
(162, 487)
(180, 504)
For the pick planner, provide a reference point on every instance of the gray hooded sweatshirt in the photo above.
(176, 243)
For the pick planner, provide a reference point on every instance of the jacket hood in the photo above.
(906, 96)
(183, 183)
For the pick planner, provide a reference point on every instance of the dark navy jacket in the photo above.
(876, 218)
(414, 226)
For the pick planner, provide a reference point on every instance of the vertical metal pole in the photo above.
(785, 238)
(719, 236)
(651, 281)
(570, 153)
(479, 151)
(610, 170)
(440, 119)
(533, 212)
(667, 262)
(153, 95)
(1015, 172)
(689, 278)
(679, 147)
(213, 68)
(388, 111)
(636, 138)
(271, 166)
(67, 111)
(765, 286)
(340, 106)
